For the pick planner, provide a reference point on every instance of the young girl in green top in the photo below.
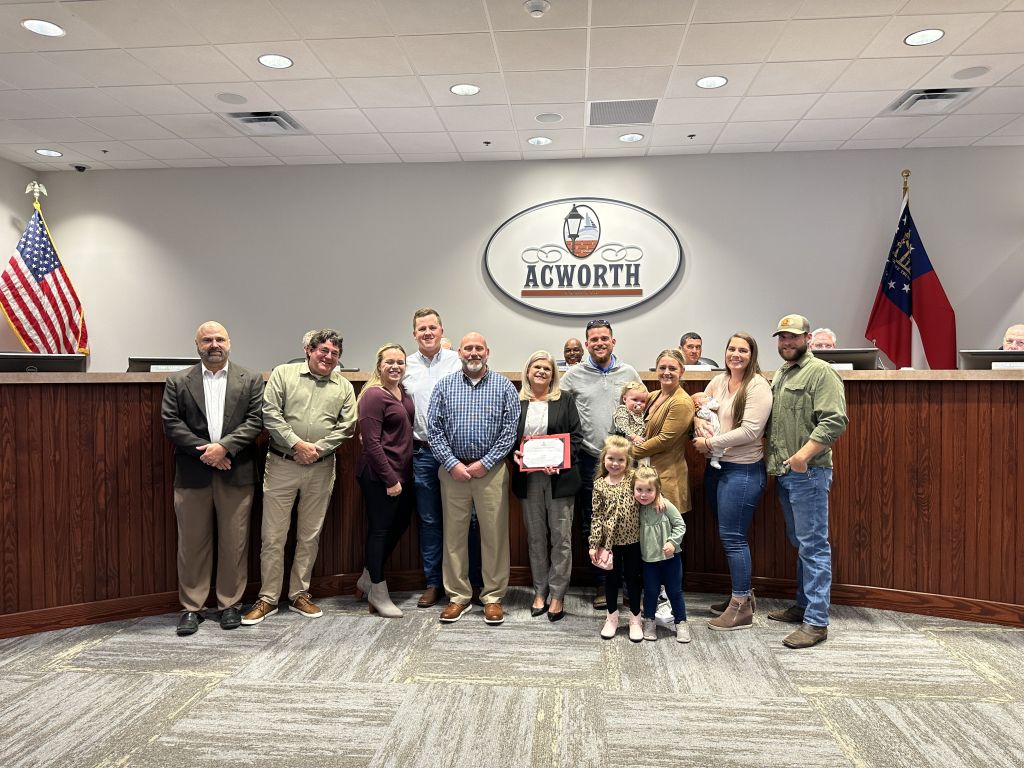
(661, 539)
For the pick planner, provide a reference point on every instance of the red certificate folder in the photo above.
(564, 438)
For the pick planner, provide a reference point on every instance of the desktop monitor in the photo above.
(986, 359)
(862, 358)
(160, 364)
(22, 362)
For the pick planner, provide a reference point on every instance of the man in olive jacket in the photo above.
(212, 412)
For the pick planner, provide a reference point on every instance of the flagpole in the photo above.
(905, 173)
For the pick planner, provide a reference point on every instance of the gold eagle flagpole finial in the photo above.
(35, 188)
(906, 182)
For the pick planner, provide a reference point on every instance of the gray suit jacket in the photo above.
(184, 416)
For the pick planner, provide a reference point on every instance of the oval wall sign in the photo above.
(583, 256)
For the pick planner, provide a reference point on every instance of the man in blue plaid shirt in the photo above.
(471, 428)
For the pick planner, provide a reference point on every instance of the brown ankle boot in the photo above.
(739, 615)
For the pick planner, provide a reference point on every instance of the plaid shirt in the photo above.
(468, 421)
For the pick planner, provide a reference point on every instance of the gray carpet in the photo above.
(350, 689)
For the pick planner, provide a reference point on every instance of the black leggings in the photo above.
(628, 565)
(387, 518)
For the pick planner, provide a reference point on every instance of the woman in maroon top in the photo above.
(386, 414)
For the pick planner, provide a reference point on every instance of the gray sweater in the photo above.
(597, 396)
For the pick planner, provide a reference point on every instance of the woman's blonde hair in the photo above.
(631, 386)
(675, 354)
(614, 442)
(554, 391)
(647, 475)
(375, 380)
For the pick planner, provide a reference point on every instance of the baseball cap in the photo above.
(793, 324)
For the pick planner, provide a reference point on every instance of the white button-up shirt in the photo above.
(421, 375)
(215, 387)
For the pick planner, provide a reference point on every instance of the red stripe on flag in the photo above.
(71, 309)
(57, 317)
(44, 310)
(26, 327)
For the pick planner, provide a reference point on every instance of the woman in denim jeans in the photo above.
(734, 490)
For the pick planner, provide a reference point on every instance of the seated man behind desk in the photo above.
(823, 338)
(1014, 337)
(691, 345)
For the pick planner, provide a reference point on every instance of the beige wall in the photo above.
(272, 252)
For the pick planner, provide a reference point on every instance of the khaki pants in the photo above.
(284, 480)
(490, 496)
(197, 510)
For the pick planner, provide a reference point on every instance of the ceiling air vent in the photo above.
(622, 112)
(931, 101)
(265, 123)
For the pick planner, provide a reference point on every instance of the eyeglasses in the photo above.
(599, 324)
(327, 352)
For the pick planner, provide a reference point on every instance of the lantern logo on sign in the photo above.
(581, 231)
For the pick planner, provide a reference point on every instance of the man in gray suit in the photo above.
(212, 412)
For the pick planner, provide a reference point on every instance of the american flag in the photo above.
(37, 296)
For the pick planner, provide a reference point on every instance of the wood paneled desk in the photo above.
(927, 503)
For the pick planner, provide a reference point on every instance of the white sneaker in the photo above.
(682, 632)
(663, 616)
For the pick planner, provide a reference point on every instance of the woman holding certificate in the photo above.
(545, 478)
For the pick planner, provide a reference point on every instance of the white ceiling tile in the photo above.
(635, 46)
(896, 127)
(553, 49)
(235, 21)
(561, 154)
(1017, 78)
(404, 119)
(473, 141)
(683, 83)
(874, 144)
(430, 157)
(949, 141)
(622, 151)
(441, 54)
(83, 102)
(561, 139)
(31, 70)
(796, 77)
(245, 56)
(525, 115)
(328, 121)
(198, 126)
(231, 148)
(811, 39)
(129, 128)
(366, 57)
(410, 17)
(308, 94)
(958, 27)
(695, 110)
(79, 33)
(991, 101)
(169, 149)
(20, 152)
(155, 99)
(1016, 5)
(1000, 141)
(311, 160)
(190, 64)
(773, 107)
(607, 137)
(884, 74)
(256, 100)
(554, 86)
(334, 18)
(130, 23)
(62, 129)
(1016, 128)
(136, 165)
(807, 146)
(389, 157)
(357, 144)
(729, 43)
(615, 13)
(107, 67)
(679, 135)
(292, 146)
(967, 125)
(245, 161)
(409, 143)
(196, 162)
(15, 104)
(732, 149)
(491, 84)
(817, 9)
(485, 118)
(491, 156)
(854, 104)
(826, 130)
(744, 10)
(12, 132)
(944, 75)
(950, 6)
(371, 92)
(689, 149)
(505, 15)
(749, 133)
(628, 83)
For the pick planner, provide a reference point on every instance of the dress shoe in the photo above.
(537, 610)
(792, 615)
(560, 613)
(380, 602)
(475, 599)
(430, 597)
(493, 613)
(600, 601)
(717, 609)
(738, 615)
(805, 636)
(454, 611)
(363, 585)
(303, 606)
(189, 623)
(230, 618)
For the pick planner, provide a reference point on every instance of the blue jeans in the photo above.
(804, 499)
(428, 509)
(732, 493)
(587, 466)
(670, 574)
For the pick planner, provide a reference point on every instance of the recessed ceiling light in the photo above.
(538, 141)
(46, 28)
(465, 89)
(49, 153)
(968, 73)
(629, 138)
(923, 37)
(548, 117)
(712, 81)
(275, 61)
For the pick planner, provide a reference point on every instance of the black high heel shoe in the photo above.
(535, 612)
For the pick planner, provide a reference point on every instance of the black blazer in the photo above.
(184, 415)
(562, 418)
